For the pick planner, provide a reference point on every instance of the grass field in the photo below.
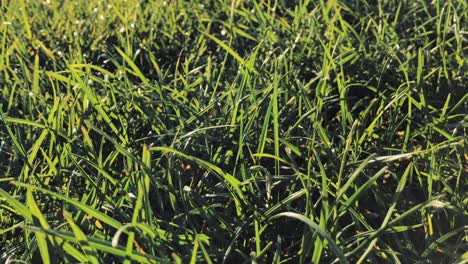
(241, 131)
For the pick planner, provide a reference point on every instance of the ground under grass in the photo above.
(261, 131)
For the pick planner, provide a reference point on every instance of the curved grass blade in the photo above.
(85, 208)
(433, 246)
(99, 244)
(136, 71)
(315, 228)
(26, 213)
(233, 182)
(362, 189)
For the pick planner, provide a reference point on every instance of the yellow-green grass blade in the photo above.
(40, 237)
(91, 252)
(99, 244)
(95, 102)
(85, 208)
(25, 212)
(20, 208)
(232, 52)
(136, 71)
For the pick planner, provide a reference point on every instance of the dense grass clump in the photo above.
(239, 131)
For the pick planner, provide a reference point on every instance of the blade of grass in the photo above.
(85, 208)
(99, 244)
(233, 182)
(373, 238)
(95, 102)
(91, 253)
(40, 237)
(315, 228)
(136, 71)
(231, 51)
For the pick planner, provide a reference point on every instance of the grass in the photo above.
(238, 131)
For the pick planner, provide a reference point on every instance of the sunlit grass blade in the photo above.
(137, 72)
(95, 102)
(99, 244)
(18, 206)
(232, 52)
(85, 208)
(92, 255)
(40, 237)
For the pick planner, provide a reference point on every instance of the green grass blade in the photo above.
(92, 255)
(85, 208)
(315, 228)
(41, 237)
(359, 192)
(19, 207)
(99, 244)
(132, 65)
(232, 52)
